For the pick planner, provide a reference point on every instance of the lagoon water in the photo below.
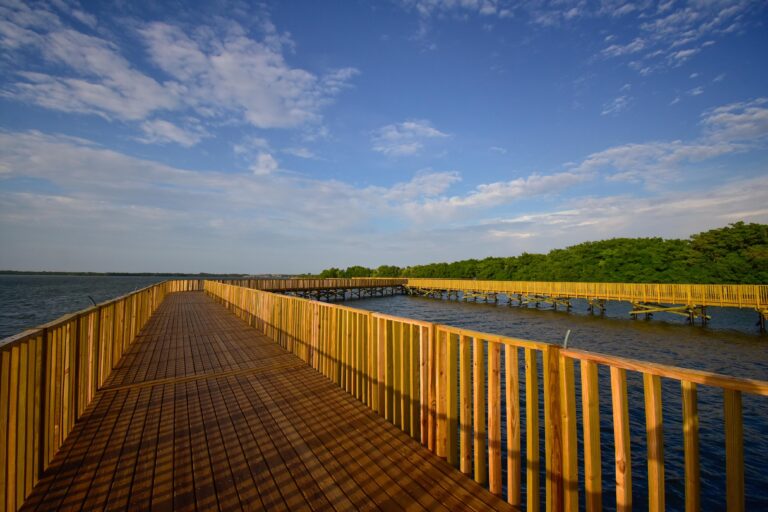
(30, 300)
(730, 344)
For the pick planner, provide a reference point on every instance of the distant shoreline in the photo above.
(132, 274)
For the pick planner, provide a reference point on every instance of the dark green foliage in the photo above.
(734, 254)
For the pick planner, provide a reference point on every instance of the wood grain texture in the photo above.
(654, 431)
(623, 459)
(205, 413)
(691, 446)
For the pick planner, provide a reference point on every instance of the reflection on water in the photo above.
(730, 344)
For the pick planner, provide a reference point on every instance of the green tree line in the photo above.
(737, 254)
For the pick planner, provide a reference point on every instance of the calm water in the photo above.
(731, 344)
(28, 301)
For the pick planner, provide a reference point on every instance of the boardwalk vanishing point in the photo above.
(202, 395)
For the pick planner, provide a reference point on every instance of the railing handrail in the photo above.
(754, 296)
(719, 380)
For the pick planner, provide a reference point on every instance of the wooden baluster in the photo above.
(512, 385)
(389, 375)
(655, 440)
(452, 399)
(441, 383)
(424, 387)
(590, 406)
(734, 451)
(553, 429)
(478, 364)
(569, 422)
(405, 374)
(691, 445)
(532, 430)
(494, 417)
(465, 390)
(381, 359)
(621, 439)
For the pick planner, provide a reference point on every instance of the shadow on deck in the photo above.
(205, 413)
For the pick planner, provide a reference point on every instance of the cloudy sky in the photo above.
(292, 136)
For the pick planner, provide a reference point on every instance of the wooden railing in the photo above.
(316, 284)
(49, 375)
(443, 386)
(726, 295)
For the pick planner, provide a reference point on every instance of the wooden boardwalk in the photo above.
(204, 413)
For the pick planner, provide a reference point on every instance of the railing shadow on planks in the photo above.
(442, 386)
(48, 376)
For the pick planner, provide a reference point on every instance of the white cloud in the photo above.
(265, 164)
(617, 50)
(217, 73)
(663, 29)
(679, 57)
(738, 121)
(124, 208)
(235, 75)
(696, 91)
(161, 131)
(107, 84)
(250, 144)
(497, 149)
(490, 195)
(616, 105)
(426, 183)
(300, 152)
(676, 214)
(406, 138)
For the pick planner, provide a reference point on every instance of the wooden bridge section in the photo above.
(690, 300)
(166, 400)
(328, 290)
(204, 413)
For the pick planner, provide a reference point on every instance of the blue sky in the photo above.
(293, 136)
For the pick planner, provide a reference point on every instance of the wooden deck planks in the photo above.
(204, 413)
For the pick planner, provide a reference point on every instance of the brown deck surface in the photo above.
(205, 413)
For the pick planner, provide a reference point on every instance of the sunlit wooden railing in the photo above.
(443, 386)
(48, 376)
(316, 284)
(726, 295)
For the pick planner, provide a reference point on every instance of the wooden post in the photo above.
(512, 384)
(465, 391)
(734, 451)
(478, 364)
(452, 399)
(621, 439)
(569, 421)
(655, 441)
(590, 406)
(494, 417)
(532, 430)
(553, 429)
(691, 445)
